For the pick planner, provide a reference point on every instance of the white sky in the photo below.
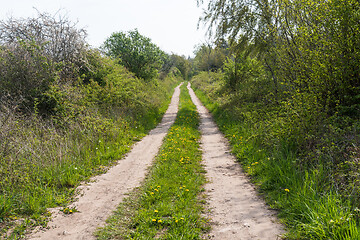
(170, 24)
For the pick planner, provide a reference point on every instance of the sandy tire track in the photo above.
(100, 197)
(236, 212)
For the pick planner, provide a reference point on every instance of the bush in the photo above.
(25, 73)
(59, 38)
(89, 118)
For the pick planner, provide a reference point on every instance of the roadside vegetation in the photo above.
(169, 203)
(67, 112)
(282, 82)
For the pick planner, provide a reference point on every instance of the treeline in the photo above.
(68, 111)
(283, 80)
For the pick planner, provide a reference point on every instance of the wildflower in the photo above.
(159, 221)
(187, 190)
(156, 211)
(287, 190)
(154, 220)
(182, 218)
(152, 193)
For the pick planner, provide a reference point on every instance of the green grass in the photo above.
(307, 202)
(169, 204)
(43, 161)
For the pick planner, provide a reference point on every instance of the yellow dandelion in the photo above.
(187, 190)
(159, 221)
(152, 193)
(156, 211)
(287, 190)
(154, 220)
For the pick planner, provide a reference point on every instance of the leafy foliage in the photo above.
(136, 52)
(299, 44)
(208, 58)
(266, 142)
(66, 113)
(26, 73)
(291, 84)
(175, 62)
(59, 38)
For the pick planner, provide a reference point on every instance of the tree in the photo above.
(136, 52)
(180, 63)
(209, 58)
(308, 47)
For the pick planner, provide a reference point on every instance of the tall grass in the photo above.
(43, 159)
(304, 193)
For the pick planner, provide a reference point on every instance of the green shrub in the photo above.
(89, 125)
(303, 162)
(26, 74)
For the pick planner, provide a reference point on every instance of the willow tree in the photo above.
(249, 27)
(310, 46)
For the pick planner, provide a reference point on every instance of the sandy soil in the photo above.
(100, 197)
(236, 212)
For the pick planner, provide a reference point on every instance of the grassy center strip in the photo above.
(168, 205)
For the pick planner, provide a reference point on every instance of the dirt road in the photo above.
(99, 198)
(237, 212)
